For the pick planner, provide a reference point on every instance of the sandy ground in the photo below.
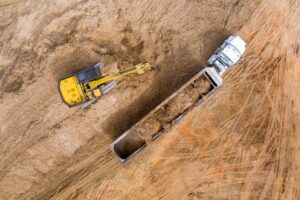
(242, 143)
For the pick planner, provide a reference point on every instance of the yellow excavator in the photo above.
(84, 87)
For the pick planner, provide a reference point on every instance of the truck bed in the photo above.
(169, 112)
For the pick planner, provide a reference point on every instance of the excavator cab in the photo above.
(84, 87)
(90, 73)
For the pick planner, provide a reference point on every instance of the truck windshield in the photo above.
(225, 60)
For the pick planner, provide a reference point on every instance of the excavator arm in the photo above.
(137, 69)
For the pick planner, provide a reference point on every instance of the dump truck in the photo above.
(86, 86)
(175, 107)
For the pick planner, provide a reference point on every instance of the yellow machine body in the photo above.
(87, 85)
(71, 91)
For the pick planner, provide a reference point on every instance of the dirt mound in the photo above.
(242, 143)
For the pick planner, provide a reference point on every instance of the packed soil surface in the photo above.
(243, 142)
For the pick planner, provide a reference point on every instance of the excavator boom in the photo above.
(138, 69)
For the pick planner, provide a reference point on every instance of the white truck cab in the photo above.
(228, 54)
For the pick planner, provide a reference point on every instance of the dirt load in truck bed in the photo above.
(164, 116)
(241, 143)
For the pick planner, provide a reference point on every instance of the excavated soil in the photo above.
(174, 107)
(243, 142)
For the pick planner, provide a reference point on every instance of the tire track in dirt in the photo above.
(234, 149)
(63, 146)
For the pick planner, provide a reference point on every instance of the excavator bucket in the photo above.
(142, 68)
